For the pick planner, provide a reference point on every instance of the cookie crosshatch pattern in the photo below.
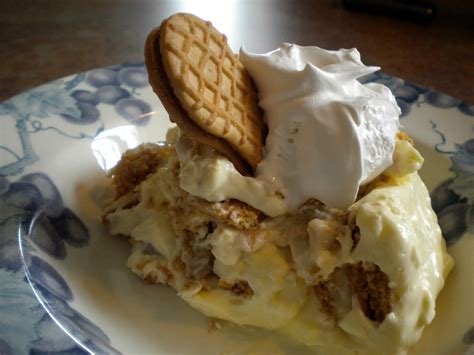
(214, 87)
(38, 226)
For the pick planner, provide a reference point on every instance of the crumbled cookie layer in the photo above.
(136, 164)
(364, 280)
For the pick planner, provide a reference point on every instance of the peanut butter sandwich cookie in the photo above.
(205, 89)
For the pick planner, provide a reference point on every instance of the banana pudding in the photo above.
(327, 235)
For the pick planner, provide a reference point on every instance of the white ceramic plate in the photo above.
(64, 287)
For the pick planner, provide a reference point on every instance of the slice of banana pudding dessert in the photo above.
(286, 197)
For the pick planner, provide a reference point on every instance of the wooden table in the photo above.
(42, 40)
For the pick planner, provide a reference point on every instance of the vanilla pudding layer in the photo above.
(361, 279)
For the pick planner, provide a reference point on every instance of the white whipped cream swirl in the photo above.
(328, 133)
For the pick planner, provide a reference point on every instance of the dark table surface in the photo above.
(42, 40)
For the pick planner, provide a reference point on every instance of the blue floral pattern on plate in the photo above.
(34, 217)
(36, 226)
(116, 86)
(453, 199)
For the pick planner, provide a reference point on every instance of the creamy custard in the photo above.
(333, 243)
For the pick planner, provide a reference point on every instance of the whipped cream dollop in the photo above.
(328, 133)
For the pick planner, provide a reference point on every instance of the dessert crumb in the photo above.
(213, 325)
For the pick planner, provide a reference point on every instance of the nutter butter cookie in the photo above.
(205, 89)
